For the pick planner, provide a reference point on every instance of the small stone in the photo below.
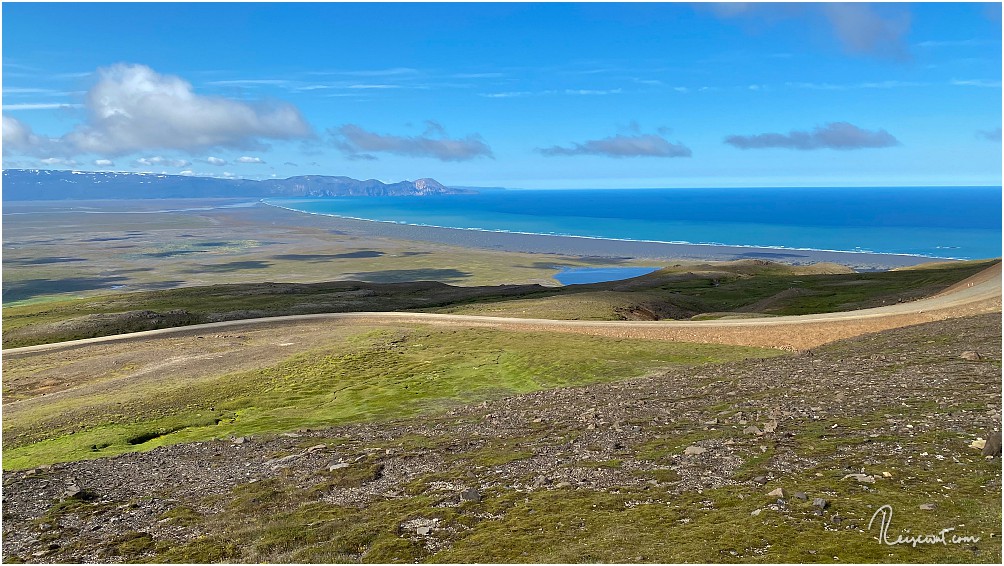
(695, 450)
(752, 429)
(861, 478)
(423, 531)
(338, 466)
(770, 426)
(820, 503)
(756, 512)
(971, 356)
(927, 506)
(71, 491)
(801, 496)
(316, 447)
(238, 440)
(779, 492)
(760, 480)
(886, 474)
(470, 495)
(978, 444)
(993, 445)
(562, 485)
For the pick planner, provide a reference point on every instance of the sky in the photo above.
(512, 95)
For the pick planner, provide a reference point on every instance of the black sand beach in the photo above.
(594, 247)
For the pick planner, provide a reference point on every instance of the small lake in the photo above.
(579, 275)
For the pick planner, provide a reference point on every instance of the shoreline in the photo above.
(589, 246)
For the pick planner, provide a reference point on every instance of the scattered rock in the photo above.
(801, 496)
(927, 506)
(820, 503)
(779, 492)
(760, 480)
(978, 444)
(276, 462)
(316, 447)
(338, 466)
(992, 447)
(756, 512)
(423, 531)
(971, 356)
(238, 440)
(861, 478)
(770, 426)
(72, 490)
(886, 474)
(752, 429)
(470, 495)
(695, 450)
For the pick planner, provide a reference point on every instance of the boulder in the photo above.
(779, 493)
(993, 445)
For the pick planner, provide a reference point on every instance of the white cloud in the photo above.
(247, 159)
(861, 29)
(19, 138)
(977, 82)
(58, 161)
(216, 161)
(161, 162)
(104, 162)
(835, 135)
(355, 142)
(132, 108)
(39, 106)
(620, 145)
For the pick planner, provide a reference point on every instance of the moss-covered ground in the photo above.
(370, 375)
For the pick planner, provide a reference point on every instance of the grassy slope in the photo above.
(676, 292)
(278, 520)
(767, 289)
(371, 375)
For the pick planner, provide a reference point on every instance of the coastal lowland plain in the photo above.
(220, 380)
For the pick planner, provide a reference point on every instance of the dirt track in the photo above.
(978, 294)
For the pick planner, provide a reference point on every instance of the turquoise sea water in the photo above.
(579, 275)
(947, 222)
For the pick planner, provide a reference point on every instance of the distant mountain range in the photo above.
(42, 184)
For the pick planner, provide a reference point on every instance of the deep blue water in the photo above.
(578, 275)
(953, 222)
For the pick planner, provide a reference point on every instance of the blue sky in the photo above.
(515, 95)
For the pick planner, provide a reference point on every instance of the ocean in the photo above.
(937, 222)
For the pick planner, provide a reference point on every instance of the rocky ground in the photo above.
(796, 452)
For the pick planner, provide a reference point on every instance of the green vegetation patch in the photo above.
(373, 375)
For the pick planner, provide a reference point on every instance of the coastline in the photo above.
(601, 247)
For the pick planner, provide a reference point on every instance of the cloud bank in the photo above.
(640, 145)
(357, 143)
(133, 108)
(835, 135)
